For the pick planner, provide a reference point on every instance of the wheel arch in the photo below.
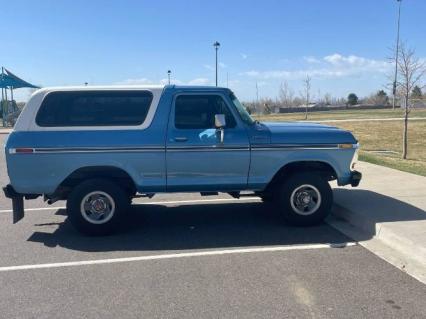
(322, 167)
(113, 173)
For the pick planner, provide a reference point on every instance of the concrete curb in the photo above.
(407, 252)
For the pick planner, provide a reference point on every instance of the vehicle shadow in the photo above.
(202, 226)
(375, 208)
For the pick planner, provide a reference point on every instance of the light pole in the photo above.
(168, 75)
(216, 46)
(396, 57)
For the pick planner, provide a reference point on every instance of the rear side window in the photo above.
(94, 108)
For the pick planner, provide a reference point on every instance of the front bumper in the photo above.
(355, 178)
(17, 202)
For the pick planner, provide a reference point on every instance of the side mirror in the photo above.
(219, 121)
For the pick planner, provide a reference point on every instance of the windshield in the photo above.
(245, 116)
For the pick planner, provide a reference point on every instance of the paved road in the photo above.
(305, 277)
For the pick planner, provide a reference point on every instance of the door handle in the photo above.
(180, 139)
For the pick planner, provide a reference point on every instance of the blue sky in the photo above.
(343, 45)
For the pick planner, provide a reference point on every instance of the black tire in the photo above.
(266, 197)
(294, 188)
(110, 194)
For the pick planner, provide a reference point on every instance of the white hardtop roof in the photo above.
(100, 87)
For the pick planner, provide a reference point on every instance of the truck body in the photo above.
(149, 140)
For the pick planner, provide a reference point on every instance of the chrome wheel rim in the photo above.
(97, 207)
(305, 199)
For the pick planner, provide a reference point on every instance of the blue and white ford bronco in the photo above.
(99, 147)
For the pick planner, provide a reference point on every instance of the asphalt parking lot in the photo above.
(183, 256)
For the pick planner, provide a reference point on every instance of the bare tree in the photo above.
(286, 94)
(411, 70)
(327, 99)
(307, 93)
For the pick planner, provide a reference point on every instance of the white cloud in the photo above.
(139, 81)
(199, 81)
(244, 56)
(330, 66)
(311, 59)
(145, 81)
(222, 65)
(209, 67)
(355, 61)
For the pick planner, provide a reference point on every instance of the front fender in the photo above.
(265, 164)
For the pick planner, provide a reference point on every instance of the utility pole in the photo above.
(216, 46)
(396, 56)
(168, 75)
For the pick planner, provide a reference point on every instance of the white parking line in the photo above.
(155, 203)
(32, 209)
(178, 255)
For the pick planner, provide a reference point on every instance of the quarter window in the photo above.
(94, 108)
(198, 111)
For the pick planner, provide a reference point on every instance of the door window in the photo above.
(198, 111)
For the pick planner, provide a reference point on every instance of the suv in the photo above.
(98, 147)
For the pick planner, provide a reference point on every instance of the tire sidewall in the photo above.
(293, 182)
(75, 198)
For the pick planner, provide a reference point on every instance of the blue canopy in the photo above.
(10, 80)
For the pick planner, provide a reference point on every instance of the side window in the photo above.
(198, 111)
(94, 108)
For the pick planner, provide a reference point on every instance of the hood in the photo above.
(306, 132)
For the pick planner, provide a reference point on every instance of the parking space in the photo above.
(184, 256)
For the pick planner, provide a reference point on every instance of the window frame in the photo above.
(230, 109)
(155, 92)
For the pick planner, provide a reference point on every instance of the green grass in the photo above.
(410, 166)
(377, 136)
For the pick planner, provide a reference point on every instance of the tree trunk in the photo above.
(405, 134)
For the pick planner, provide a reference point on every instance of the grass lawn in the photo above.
(341, 115)
(378, 136)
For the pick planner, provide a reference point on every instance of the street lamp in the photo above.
(216, 46)
(168, 75)
(396, 56)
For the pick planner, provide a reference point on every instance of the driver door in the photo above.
(196, 158)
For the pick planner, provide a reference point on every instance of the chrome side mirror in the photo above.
(220, 123)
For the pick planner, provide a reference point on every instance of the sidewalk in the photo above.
(388, 206)
(5, 130)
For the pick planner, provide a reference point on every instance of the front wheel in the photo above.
(95, 207)
(304, 199)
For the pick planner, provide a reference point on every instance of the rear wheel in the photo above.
(304, 199)
(96, 207)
